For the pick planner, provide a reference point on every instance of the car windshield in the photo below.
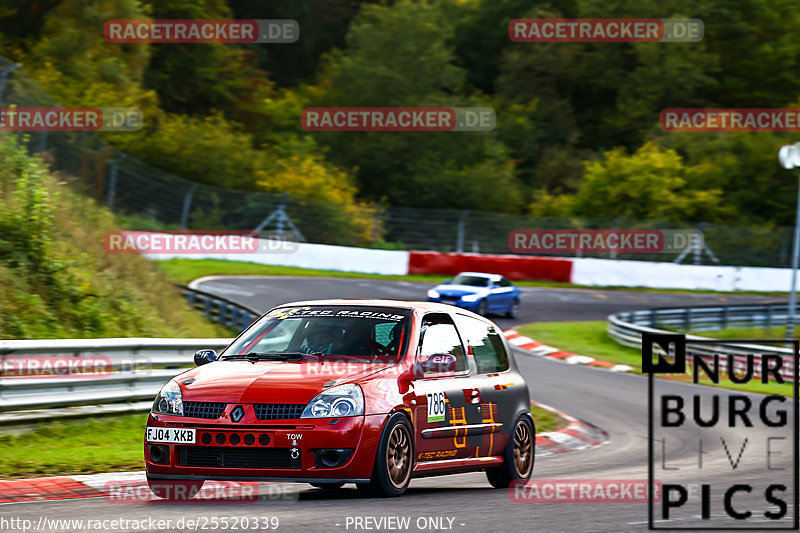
(474, 281)
(314, 332)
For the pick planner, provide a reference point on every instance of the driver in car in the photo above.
(322, 339)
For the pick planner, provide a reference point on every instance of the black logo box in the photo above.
(678, 366)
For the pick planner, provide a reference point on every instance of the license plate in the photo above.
(176, 435)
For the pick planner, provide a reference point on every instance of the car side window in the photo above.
(504, 282)
(486, 343)
(439, 336)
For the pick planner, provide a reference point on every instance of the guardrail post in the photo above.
(245, 320)
(460, 233)
(187, 206)
(770, 312)
(112, 181)
(223, 313)
(652, 318)
(4, 75)
(207, 308)
(688, 319)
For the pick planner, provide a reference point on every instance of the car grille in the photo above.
(203, 409)
(215, 457)
(278, 411)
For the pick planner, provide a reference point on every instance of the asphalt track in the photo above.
(615, 402)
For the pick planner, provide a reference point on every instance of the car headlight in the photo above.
(337, 402)
(433, 293)
(169, 400)
(471, 297)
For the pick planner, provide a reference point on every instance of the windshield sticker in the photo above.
(309, 312)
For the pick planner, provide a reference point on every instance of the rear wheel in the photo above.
(174, 489)
(394, 460)
(518, 456)
(513, 310)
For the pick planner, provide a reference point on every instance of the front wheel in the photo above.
(174, 489)
(513, 311)
(518, 456)
(394, 460)
(483, 308)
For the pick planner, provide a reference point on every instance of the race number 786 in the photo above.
(436, 403)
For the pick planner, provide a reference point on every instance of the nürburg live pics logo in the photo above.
(725, 454)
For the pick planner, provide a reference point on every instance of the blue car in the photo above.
(478, 292)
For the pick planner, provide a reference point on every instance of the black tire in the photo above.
(174, 489)
(394, 460)
(483, 307)
(513, 310)
(513, 469)
(328, 486)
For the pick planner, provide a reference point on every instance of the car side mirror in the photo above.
(440, 363)
(202, 357)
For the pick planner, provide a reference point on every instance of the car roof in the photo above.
(492, 277)
(399, 304)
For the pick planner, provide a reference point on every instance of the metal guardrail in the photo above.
(710, 318)
(126, 374)
(134, 370)
(627, 327)
(218, 309)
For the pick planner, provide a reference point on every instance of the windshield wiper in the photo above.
(257, 356)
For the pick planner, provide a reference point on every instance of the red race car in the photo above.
(371, 392)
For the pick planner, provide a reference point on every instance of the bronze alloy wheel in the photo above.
(398, 456)
(523, 449)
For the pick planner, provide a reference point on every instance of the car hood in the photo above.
(460, 290)
(270, 382)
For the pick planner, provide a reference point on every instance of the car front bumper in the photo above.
(276, 450)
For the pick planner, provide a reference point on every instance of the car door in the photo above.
(501, 295)
(499, 389)
(443, 399)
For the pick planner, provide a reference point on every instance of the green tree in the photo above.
(651, 184)
(201, 78)
(400, 56)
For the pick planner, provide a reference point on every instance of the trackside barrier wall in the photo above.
(611, 273)
(511, 266)
(315, 256)
(580, 271)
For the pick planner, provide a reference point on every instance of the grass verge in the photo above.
(590, 338)
(546, 420)
(84, 446)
